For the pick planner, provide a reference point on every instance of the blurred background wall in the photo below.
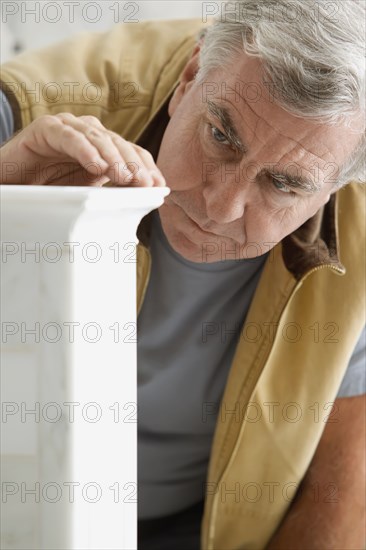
(27, 24)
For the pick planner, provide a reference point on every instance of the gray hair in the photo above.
(313, 55)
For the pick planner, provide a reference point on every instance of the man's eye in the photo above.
(219, 136)
(280, 186)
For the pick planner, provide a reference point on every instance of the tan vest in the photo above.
(307, 312)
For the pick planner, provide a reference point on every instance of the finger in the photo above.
(80, 183)
(134, 165)
(149, 162)
(73, 174)
(65, 139)
(121, 170)
(134, 168)
(92, 130)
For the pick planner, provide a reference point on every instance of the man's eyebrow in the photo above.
(296, 182)
(228, 125)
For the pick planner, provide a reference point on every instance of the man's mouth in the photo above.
(198, 225)
(190, 217)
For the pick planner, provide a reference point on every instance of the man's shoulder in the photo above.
(174, 29)
(106, 74)
(351, 201)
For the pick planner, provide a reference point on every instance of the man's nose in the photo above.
(225, 203)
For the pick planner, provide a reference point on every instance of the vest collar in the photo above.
(310, 247)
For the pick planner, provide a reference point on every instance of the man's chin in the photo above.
(194, 244)
(189, 250)
(201, 253)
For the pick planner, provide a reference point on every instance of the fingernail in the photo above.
(101, 163)
(158, 177)
(146, 178)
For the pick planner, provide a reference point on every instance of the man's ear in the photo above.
(186, 80)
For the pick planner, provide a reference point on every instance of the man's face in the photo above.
(243, 172)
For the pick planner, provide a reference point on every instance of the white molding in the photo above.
(47, 290)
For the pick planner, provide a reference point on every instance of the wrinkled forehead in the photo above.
(255, 109)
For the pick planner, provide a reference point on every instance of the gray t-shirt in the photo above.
(188, 329)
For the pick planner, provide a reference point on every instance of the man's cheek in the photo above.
(186, 172)
(276, 226)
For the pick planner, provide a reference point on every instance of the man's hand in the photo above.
(68, 150)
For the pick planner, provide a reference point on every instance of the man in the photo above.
(251, 405)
